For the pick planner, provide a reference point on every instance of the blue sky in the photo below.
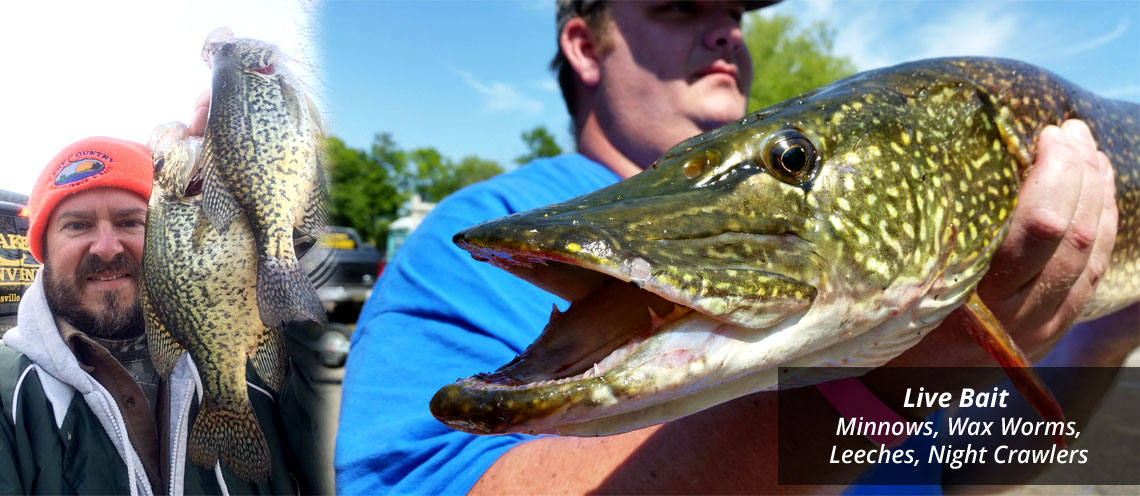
(468, 77)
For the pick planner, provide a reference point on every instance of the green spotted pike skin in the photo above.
(848, 264)
(198, 289)
(261, 160)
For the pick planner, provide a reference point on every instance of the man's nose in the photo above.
(725, 34)
(107, 242)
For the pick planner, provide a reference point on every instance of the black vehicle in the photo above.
(17, 265)
(356, 267)
(344, 269)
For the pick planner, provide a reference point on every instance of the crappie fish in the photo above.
(834, 229)
(198, 295)
(261, 160)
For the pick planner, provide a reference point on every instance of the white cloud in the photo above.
(1130, 92)
(544, 7)
(1121, 28)
(861, 28)
(499, 96)
(547, 84)
(971, 29)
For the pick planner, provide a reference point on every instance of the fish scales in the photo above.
(198, 287)
(833, 229)
(262, 161)
(220, 274)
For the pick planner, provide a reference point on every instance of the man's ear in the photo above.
(581, 51)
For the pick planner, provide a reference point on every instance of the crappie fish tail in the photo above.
(284, 292)
(236, 435)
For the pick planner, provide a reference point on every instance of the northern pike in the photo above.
(834, 229)
(261, 159)
(198, 296)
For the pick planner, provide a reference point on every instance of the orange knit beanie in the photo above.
(97, 162)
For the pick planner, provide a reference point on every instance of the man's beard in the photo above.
(115, 319)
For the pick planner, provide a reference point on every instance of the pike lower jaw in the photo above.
(613, 345)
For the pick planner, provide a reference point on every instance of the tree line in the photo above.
(368, 188)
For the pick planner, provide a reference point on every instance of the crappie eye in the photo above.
(158, 163)
(792, 157)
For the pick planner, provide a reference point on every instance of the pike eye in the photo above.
(158, 164)
(792, 157)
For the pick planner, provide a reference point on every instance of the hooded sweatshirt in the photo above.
(61, 431)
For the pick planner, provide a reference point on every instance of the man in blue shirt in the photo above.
(638, 77)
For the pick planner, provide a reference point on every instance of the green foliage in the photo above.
(369, 188)
(539, 144)
(469, 170)
(788, 61)
(362, 193)
(436, 176)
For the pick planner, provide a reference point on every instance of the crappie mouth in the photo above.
(175, 155)
(254, 56)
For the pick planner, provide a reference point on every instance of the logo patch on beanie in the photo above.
(79, 170)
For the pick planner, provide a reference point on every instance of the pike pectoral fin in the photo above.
(989, 333)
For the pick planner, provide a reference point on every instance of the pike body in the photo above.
(834, 229)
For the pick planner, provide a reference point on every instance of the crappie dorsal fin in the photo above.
(218, 204)
(318, 261)
(236, 435)
(164, 350)
(315, 114)
(313, 215)
(269, 359)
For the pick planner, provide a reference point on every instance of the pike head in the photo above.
(828, 230)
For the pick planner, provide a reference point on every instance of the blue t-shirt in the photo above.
(435, 316)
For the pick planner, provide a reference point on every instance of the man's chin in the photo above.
(93, 299)
(720, 109)
(111, 315)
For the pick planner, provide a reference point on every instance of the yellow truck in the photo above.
(17, 266)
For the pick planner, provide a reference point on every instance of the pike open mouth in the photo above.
(594, 334)
(645, 332)
(584, 357)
